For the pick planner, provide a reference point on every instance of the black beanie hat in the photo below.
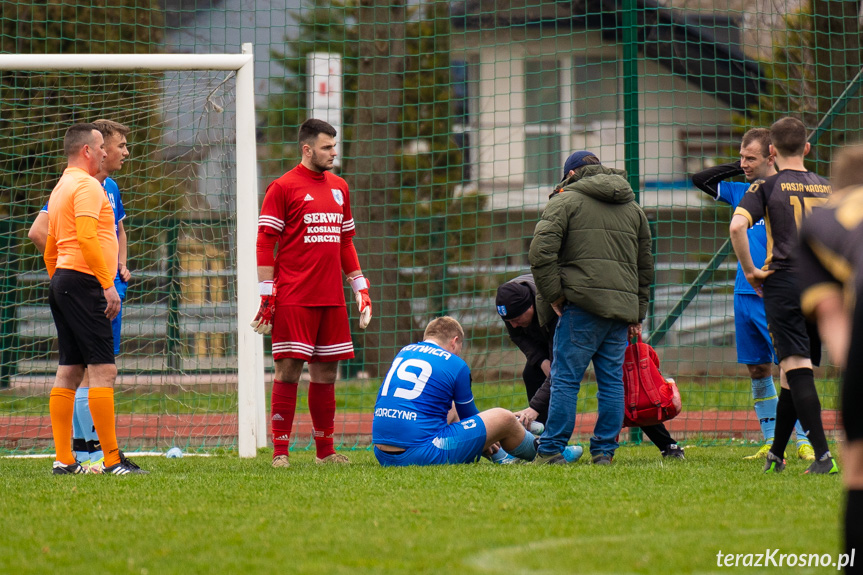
(513, 299)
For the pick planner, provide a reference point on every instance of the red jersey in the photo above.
(310, 213)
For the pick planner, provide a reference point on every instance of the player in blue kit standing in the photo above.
(410, 423)
(754, 347)
(86, 446)
(784, 201)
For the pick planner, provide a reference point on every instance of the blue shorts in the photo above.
(117, 322)
(754, 344)
(460, 442)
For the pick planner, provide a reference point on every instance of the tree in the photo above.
(437, 228)
(374, 170)
(329, 26)
(400, 160)
(816, 59)
(37, 108)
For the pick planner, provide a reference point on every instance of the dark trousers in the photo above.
(534, 377)
(659, 435)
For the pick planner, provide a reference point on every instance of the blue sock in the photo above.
(79, 442)
(500, 456)
(85, 420)
(527, 448)
(764, 394)
(801, 436)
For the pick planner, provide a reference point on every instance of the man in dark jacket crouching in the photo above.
(530, 323)
(590, 257)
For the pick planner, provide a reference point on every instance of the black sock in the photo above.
(854, 529)
(786, 417)
(802, 384)
(79, 444)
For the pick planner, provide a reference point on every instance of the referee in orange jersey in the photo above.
(81, 255)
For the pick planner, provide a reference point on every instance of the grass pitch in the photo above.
(225, 515)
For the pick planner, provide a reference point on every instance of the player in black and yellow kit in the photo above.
(784, 200)
(831, 276)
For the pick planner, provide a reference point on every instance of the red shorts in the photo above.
(313, 334)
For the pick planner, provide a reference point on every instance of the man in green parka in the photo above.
(590, 256)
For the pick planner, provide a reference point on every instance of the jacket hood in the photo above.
(601, 183)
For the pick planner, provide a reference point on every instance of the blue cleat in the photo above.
(573, 453)
(509, 460)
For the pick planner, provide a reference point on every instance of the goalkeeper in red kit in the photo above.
(307, 213)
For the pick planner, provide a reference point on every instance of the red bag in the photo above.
(649, 398)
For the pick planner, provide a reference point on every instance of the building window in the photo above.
(597, 90)
(542, 163)
(464, 76)
(542, 91)
(543, 117)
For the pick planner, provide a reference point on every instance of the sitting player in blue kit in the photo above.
(410, 424)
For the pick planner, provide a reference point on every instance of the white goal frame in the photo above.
(252, 431)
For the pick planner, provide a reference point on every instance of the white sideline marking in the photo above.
(505, 559)
(131, 453)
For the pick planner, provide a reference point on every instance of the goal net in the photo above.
(190, 196)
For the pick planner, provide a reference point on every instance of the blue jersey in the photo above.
(731, 193)
(112, 190)
(417, 393)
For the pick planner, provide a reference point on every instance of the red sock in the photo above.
(322, 407)
(284, 404)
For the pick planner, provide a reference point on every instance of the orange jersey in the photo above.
(78, 194)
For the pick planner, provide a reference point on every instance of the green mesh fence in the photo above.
(177, 371)
(455, 119)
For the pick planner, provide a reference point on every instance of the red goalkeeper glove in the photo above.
(263, 322)
(361, 286)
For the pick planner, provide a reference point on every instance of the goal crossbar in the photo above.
(115, 62)
(252, 424)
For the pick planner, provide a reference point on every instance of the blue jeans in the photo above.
(582, 337)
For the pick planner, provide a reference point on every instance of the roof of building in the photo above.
(703, 55)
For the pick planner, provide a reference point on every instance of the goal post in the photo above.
(250, 400)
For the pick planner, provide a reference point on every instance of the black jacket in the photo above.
(536, 341)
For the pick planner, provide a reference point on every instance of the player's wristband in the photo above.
(359, 283)
(266, 287)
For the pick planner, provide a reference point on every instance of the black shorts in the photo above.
(78, 305)
(852, 405)
(789, 330)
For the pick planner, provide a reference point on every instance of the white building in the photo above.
(544, 80)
